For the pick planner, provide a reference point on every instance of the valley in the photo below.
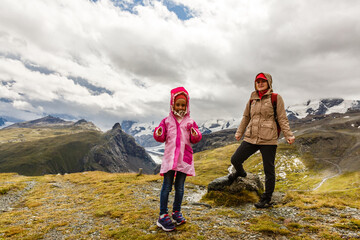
(73, 196)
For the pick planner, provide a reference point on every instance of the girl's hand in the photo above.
(159, 131)
(291, 140)
(193, 132)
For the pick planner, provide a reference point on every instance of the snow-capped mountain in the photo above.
(214, 125)
(138, 129)
(321, 107)
(142, 132)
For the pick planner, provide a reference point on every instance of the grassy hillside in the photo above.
(13, 135)
(46, 153)
(290, 167)
(98, 205)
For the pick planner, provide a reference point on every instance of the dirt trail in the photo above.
(339, 172)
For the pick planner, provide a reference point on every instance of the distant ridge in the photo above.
(41, 122)
(54, 122)
(321, 107)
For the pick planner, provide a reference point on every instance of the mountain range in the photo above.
(142, 132)
(321, 107)
(51, 145)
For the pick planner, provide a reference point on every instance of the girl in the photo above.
(178, 131)
(260, 119)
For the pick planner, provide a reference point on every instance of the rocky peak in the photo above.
(116, 126)
(81, 121)
(120, 153)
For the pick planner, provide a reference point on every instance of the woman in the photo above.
(261, 133)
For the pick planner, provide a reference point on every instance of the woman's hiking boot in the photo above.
(234, 175)
(265, 202)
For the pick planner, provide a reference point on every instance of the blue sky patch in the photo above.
(181, 11)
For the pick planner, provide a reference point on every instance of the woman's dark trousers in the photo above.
(268, 152)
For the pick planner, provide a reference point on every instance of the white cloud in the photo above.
(136, 58)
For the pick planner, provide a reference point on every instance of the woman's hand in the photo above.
(237, 137)
(291, 140)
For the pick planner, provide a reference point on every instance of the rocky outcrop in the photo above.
(85, 125)
(119, 153)
(251, 183)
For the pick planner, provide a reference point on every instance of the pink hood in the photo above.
(176, 91)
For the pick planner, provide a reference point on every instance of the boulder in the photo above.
(250, 183)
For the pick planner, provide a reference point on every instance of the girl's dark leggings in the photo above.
(268, 152)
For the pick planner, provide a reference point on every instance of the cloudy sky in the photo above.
(108, 61)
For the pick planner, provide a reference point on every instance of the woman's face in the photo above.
(261, 84)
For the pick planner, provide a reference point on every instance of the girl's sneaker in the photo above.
(165, 223)
(178, 217)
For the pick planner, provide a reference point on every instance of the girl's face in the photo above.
(261, 84)
(180, 105)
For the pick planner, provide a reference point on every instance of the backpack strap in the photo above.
(274, 103)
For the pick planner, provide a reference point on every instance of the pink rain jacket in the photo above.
(178, 139)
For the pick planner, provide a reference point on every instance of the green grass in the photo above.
(343, 182)
(227, 199)
(211, 164)
(34, 134)
(60, 154)
(325, 143)
(266, 224)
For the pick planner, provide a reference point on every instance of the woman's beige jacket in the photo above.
(258, 122)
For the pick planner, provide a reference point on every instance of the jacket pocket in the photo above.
(188, 154)
(248, 130)
(268, 131)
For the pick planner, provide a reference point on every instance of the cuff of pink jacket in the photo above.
(161, 137)
(197, 137)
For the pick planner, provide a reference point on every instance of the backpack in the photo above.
(274, 102)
